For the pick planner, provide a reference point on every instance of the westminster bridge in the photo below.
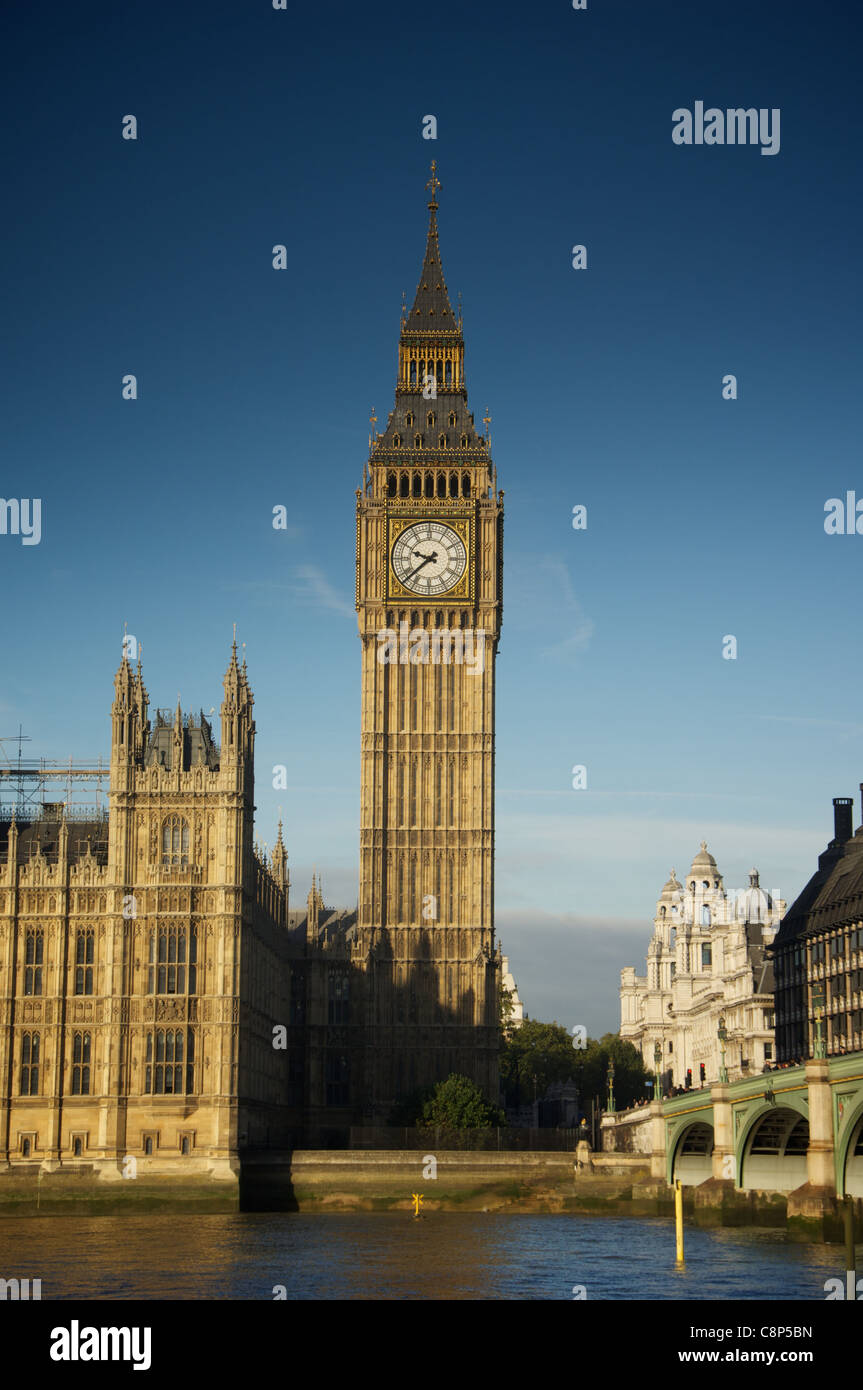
(795, 1130)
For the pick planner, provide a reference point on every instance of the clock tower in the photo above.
(429, 602)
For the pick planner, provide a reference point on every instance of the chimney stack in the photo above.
(843, 818)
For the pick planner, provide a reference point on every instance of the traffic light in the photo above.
(689, 1079)
(703, 1073)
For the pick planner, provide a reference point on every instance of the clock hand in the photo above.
(425, 562)
(433, 555)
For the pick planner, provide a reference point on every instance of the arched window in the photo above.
(404, 486)
(440, 369)
(430, 419)
(392, 485)
(453, 485)
(662, 912)
(413, 373)
(452, 419)
(441, 485)
(409, 419)
(33, 950)
(84, 944)
(184, 1147)
(77, 1147)
(418, 441)
(441, 441)
(705, 915)
(164, 1069)
(148, 1147)
(175, 843)
(80, 1064)
(417, 488)
(704, 883)
(429, 485)
(25, 1148)
(449, 375)
(465, 485)
(30, 1064)
(464, 441)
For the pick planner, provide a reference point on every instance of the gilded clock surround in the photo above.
(464, 524)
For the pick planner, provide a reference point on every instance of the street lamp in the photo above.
(657, 1062)
(819, 999)
(611, 1086)
(722, 1034)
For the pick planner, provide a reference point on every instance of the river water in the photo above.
(392, 1256)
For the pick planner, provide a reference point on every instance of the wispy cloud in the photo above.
(307, 584)
(540, 585)
(319, 592)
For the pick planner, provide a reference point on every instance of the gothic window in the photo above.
(173, 960)
(80, 1064)
(464, 441)
(413, 376)
(409, 418)
(441, 485)
(403, 485)
(430, 419)
(418, 441)
(84, 943)
(429, 485)
(662, 912)
(33, 950)
(453, 485)
(449, 376)
(465, 485)
(175, 843)
(705, 915)
(452, 419)
(30, 1064)
(439, 370)
(441, 441)
(338, 1079)
(164, 1070)
(338, 1000)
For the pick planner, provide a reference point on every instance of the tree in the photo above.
(630, 1074)
(458, 1103)
(541, 1050)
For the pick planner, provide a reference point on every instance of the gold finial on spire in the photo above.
(486, 419)
(434, 184)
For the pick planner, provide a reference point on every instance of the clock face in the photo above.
(429, 558)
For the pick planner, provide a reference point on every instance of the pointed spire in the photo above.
(431, 307)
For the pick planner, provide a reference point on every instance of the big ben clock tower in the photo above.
(429, 600)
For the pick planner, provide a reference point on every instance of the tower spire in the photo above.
(432, 310)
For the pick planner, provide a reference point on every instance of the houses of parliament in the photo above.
(163, 1005)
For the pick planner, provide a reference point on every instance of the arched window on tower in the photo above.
(175, 843)
(452, 419)
(441, 484)
(464, 441)
(448, 377)
(705, 915)
(417, 485)
(465, 485)
(392, 485)
(418, 441)
(441, 441)
(429, 485)
(430, 419)
(453, 485)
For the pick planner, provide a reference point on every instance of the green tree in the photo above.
(541, 1050)
(458, 1103)
(630, 1074)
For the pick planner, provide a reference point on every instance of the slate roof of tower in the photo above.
(431, 310)
(833, 897)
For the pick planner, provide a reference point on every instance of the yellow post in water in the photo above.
(417, 1201)
(678, 1218)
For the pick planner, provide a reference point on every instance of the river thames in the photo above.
(392, 1256)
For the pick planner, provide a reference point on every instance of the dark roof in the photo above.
(833, 897)
(198, 742)
(42, 835)
(431, 311)
(441, 408)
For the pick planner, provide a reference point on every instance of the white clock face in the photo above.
(429, 558)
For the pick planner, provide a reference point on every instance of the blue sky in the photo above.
(705, 516)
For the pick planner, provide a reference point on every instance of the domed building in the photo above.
(706, 967)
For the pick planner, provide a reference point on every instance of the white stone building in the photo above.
(706, 961)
